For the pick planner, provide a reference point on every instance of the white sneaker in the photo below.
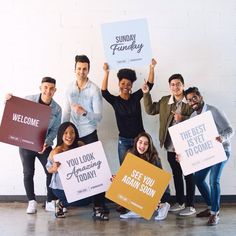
(65, 210)
(162, 211)
(130, 215)
(50, 206)
(177, 207)
(32, 207)
(187, 211)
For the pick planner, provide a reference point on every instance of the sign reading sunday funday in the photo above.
(195, 140)
(24, 123)
(127, 43)
(84, 171)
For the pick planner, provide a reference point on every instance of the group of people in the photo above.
(78, 126)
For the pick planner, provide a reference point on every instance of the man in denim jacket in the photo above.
(47, 89)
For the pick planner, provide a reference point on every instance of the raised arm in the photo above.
(106, 75)
(151, 71)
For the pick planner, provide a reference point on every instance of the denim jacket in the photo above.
(90, 99)
(55, 118)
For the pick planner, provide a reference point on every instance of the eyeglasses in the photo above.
(178, 84)
(193, 99)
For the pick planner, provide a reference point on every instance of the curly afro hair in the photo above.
(127, 74)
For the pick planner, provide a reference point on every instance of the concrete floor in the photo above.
(14, 221)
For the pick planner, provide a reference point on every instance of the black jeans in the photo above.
(28, 163)
(99, 199)
(178, 182)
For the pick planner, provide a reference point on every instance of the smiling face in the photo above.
(142, 145)
(68, 136)
(47, 91)
(82, 70)
(195, 101)
(176, 88)
(125, 86)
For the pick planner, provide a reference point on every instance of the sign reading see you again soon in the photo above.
(138, 186)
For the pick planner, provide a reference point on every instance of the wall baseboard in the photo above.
(22, 198)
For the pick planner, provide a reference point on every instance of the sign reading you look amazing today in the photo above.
(84, 171)
(24, 123)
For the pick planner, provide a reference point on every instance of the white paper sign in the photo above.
(127, 43)
(195, 140)
(84, 171)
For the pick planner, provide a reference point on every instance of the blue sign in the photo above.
(127, 43)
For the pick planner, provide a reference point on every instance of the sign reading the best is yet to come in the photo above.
(24, 123)
(195, 141)
(84, 171)
(138, 186)
(127, 43)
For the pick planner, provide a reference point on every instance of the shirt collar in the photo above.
(86, 85)
(172, 101)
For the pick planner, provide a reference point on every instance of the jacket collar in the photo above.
(172, 101)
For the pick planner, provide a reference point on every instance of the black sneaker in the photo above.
(100, 213)
(59, 210)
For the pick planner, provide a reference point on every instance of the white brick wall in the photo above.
(41, 37)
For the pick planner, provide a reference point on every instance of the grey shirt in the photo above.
(224, 128)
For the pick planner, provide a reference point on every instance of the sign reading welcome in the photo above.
(195, 141)
(84, 171)
(127, 43)
(138, 186)
(24, 123)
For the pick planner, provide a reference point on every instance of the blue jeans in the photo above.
(211, 195)
(60, 194)
(123, 145)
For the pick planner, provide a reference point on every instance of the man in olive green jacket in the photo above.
(173, 109)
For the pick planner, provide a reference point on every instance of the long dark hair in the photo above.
(151, 155)
(61, 131)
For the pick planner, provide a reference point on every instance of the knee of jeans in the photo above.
(28, 174)
(214, 183)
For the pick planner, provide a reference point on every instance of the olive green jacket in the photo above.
(165, 115)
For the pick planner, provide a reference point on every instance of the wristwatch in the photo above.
(85, 113)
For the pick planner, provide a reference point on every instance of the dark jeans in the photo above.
(166, 196)
(179, 184)
(60, 194)
(28, 163)
(99, 199)
(123, 145)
